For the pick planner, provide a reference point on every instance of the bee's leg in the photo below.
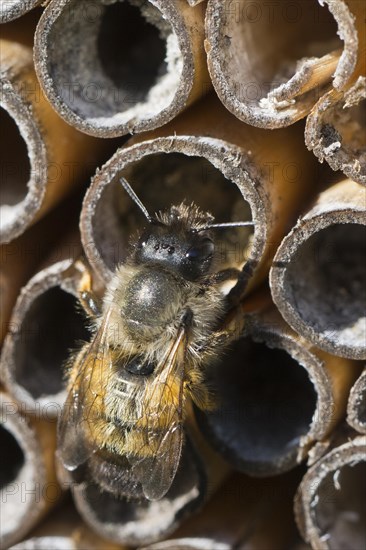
(222, 276)
(90, 302)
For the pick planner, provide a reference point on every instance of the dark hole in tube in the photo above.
(340, 510)
(266, 402)
(162, 180)
(52, 327)
(130, 49)
(326, 283)
(14, 162)
(11, 457)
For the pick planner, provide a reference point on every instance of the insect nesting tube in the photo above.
(38, 169)
(356, 409)
(13, 9)
(27, 482)
(110, 68)
(46, 325)
(236, 172)
(335, 131)
(135, 521)
(278, 396)
(330, 503)
(318, 274)
(274, 82)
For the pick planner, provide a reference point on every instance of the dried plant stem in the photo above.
(12, 9)
(39, 168)
(28, 485)
(244, 513)
(317, 277)
(129, 67)
(287, 396)
(45, 326)
(64, 529)
(330, 502)
(207, 156)
(356, 410)
(275, 81)
(335, 130)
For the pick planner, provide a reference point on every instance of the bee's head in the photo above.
(178, 239)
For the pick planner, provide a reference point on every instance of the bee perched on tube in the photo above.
(154, 333)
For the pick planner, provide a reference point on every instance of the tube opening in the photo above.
(113, 61)
(343, 132)
(162, 180)
(326, 282)
(15, 169)
(12, 460)
(52, 327)
(266, 402)
(339, 507)
(130, 521)
(294, 31)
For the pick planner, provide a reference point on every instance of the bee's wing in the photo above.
(156, 471)
(93, 365)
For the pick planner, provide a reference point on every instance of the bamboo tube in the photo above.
(356, 410)
(269, 62)
(28, 483)
(121, 67)
(45, 326)
(12, 9)
(318, 274)
(235, 171)
(133, 520)
(278, 396)
(244, 513)
(43, 157)
(20, 258)
(64, 530)
(335, 130)
(330, 502)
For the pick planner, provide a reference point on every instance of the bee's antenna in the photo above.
(225, 225)
(136, 200)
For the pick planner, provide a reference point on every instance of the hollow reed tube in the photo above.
(318, 273)
(277, 396)
(330, 503)
(28, 482)
(113, 68)
(234, 171)
(270, 62)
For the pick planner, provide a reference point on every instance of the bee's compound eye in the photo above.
(200, 251)
(138, 366)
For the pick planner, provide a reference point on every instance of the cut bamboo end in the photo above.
(330, 503)
(335, 130)
(12, 9)
(244, 513)
(135, 522)
(39, 169)
(28, 485)
(287, 396)
(45, 326)
(356, 410)
(236, 172)
(121, 67)
(317, 278)
(272, 83)
(64, 530)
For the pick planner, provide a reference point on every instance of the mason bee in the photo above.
(154, 333)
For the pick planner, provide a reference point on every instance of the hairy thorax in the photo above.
(149, 302)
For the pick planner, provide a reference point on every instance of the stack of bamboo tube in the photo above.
(233, 105)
